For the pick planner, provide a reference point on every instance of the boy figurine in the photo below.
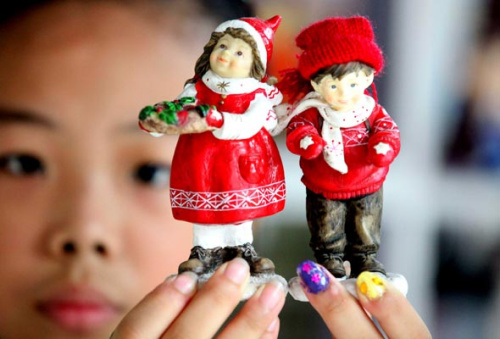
(345, 139)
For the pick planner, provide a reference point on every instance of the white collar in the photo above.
(222, 85)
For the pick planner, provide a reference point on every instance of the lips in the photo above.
(79, 309)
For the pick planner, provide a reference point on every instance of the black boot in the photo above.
(202, 260)
(332, 262)
(366, 261)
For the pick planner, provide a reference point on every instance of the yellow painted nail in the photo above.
(371, 285)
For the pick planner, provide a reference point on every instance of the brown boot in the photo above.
(202, 260)
(258, 265)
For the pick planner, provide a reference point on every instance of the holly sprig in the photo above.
(166, 110)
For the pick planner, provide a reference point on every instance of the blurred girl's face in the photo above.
(85, 222)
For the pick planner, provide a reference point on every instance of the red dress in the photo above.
(221, 181)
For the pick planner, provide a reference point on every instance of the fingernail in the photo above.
(371, 285)
(237, 270)
(185, 283)
(313, 277)
(270, 294)
(170, 278)
(273, 325)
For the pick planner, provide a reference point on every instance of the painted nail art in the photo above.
(371, 285)
(313, 277)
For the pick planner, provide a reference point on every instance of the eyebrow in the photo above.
(12, 116)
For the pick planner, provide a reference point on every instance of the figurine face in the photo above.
(231, 58)
(343, 94)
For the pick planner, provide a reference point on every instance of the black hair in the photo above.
(338, 71)
(219, 10)
(224, 10)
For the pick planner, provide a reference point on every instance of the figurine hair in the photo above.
(338, 71)
(203, 62)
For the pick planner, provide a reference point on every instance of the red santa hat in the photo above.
(262, 31)
(337, 41)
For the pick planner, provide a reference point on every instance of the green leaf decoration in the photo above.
(146, 112)
(186, 100)
(169, 117)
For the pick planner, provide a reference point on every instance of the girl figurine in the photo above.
(226, 169)
(345, 139)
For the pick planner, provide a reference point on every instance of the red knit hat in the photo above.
(337, 41)
(326, 43)
(261, 31)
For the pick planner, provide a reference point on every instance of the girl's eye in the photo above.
(222, 46)
(156, 175)
(333, 86)
(239, 53)
(21, 165)
(353, 85)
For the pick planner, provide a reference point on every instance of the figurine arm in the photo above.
(189, 91)
(384, 144)
(243, 126)
(303, 137)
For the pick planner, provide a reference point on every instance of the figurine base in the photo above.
(253, 284)
(398, 280)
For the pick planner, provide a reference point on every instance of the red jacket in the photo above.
(217, 181)
(366, 169)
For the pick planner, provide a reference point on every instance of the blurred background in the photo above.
(441, 223)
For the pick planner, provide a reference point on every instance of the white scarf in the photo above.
(333, 152)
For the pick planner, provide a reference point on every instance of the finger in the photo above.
(257, 316)
(273, 330)
(341, 312)
(158, 309)
(213, 303)
(392, 310)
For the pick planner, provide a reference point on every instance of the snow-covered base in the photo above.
(253, 284)
(398, 280)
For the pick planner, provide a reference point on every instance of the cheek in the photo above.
(329, 96)
(20, 262)
(22, 210)
(213, 58)
(158, 243)
(241, 65)
(357, 95)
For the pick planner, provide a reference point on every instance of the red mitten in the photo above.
(311, 146)
(213, 117)
(380, 153)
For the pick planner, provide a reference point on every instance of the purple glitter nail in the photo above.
(313, 277)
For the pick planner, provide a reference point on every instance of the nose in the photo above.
(342, 91)
(84, 223)
(69, 243)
